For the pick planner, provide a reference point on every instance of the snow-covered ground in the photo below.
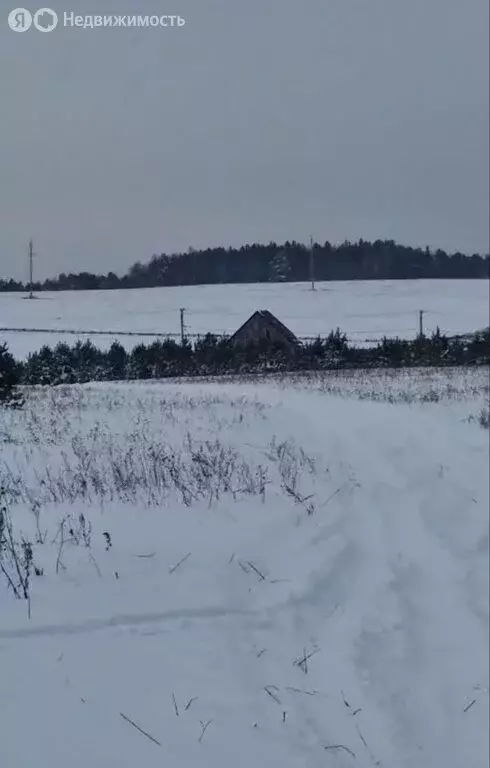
(363, 310)
(264, 574)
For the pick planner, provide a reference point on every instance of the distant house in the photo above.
(261, 326)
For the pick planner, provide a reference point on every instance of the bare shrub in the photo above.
(16, 556)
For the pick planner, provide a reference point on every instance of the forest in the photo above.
(289, 262)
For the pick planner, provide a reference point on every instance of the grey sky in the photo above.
(258, 120)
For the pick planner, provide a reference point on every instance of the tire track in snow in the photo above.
(129, 620)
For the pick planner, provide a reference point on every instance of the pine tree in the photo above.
(279, 267)
(117, 360)
(9, 379)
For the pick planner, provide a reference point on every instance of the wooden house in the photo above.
(261, 326)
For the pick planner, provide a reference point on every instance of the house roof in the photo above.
(270, 320)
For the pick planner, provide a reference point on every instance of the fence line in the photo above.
(147, 334)
(156, 334)
(95, 333)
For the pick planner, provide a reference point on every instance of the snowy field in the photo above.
(363, 310)
(291, 573)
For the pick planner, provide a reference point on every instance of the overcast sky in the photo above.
(257, 120)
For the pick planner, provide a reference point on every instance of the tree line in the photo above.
(212, 356)
(289, 262)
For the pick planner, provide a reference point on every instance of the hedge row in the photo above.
(210, 356)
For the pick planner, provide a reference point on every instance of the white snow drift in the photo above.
(268, 577)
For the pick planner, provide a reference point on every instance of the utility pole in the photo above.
(31, 257)
(421, 323)
(182, 325)
(312, 265)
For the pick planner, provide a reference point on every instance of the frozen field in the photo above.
(290, 573)
(363, 310)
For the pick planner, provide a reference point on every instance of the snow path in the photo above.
(386, 585)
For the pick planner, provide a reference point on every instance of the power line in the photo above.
(312, 265)
(31, 269)
(182, 324)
